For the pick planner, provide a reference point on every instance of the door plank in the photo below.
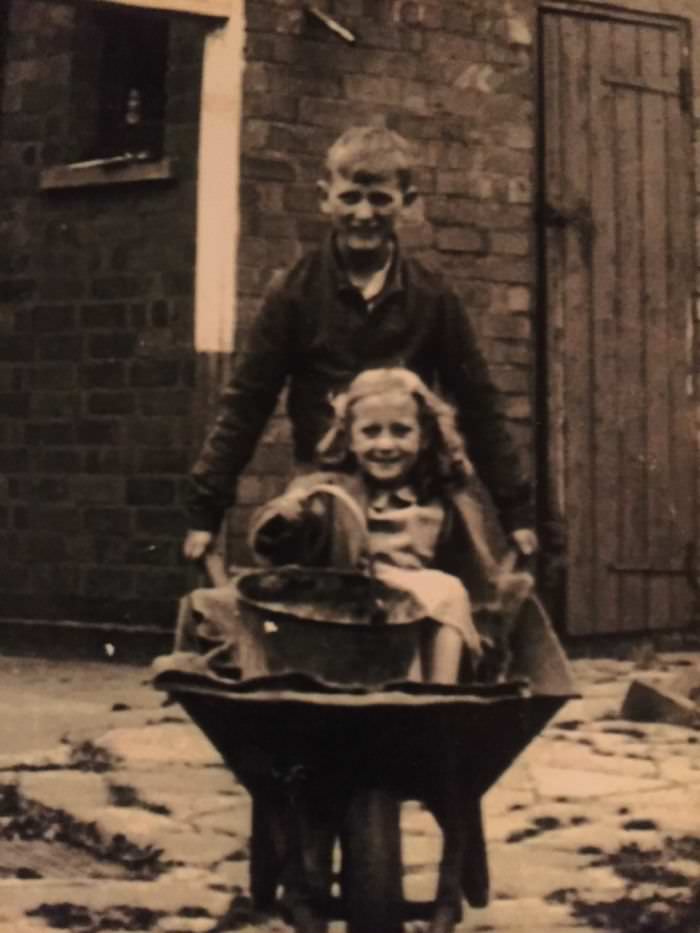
(632, 514)
(655, 326)
(577, 328)
(604, 316)
(683, 499)
(553, 173)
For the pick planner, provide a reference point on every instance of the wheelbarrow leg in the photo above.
(475, 867)
(267, 849)
(463, 867)
(371, 872)
(311, 832)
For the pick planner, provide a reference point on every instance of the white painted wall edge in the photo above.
(217, 189)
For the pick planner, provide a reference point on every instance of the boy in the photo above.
(355, 303)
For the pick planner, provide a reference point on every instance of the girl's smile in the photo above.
(385, 436)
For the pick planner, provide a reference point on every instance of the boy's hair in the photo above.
(378, 149)
(442, 463)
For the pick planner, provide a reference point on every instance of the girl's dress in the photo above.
(389, 533)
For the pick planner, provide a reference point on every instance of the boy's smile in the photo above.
(385, 436)
(363, 207)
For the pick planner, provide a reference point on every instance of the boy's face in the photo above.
(385, 436)
(363, 207)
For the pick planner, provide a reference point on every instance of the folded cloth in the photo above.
(436, 595)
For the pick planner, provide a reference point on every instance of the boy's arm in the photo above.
(259, 373)
(464, 374)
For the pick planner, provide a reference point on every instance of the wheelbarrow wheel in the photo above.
(371, 864)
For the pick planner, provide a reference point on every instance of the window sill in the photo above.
(83, 175)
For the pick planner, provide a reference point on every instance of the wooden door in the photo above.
(616, 209)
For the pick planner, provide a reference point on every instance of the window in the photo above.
(118, 83)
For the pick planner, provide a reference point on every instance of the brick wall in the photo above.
(96, 362)
(455, 77)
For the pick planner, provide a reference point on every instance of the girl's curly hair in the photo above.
(443, 462)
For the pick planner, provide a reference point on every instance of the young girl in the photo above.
(393, 496)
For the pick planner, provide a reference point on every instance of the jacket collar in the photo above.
(393, 498)
(336, 275)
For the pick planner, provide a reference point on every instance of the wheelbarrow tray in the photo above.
(409, 739)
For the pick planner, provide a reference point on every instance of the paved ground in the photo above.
(115, 813)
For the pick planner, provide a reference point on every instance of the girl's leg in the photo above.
(446, 654)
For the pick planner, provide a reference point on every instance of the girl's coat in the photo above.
(331, 531)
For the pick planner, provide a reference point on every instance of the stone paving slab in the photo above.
(590, 787)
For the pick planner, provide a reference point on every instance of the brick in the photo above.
(283, 109)
(460, 240)
(109, 374)
(108, 460)
(511, 327)
(14, 404)
(111, 403)
(98, 490)
(60, 347)
(108, 521)
(112, 346)
(16, 289)
(513, 269)
(53, 376)
(119, 286)
(364, 88)
(110, 582)
(520, 191)
(53, 318)
(511, 380)
(14, 460)
(152, 432)
(46, 547)
(519, 298)
(146, 551)
(49, 489)
(56, 460)
(50, 432)
(160, 521)
(164, 460)
(154, 373)
(15, 348)
(53, 580)
(109, 316)
(520, 137)
(98, 431)
(64, 520)
(150, 491)
(61, 288)
(15, 578)
(267, 169)
(57, 404)
(160, 584)
(166, 402)
(509, 244)
(517, 409)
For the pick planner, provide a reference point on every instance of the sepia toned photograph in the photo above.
(349, 572)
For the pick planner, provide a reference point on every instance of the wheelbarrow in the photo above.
(324, 730)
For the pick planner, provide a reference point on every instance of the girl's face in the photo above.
(385, 436)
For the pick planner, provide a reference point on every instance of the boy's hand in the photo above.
(525, 541)
(196, 544)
